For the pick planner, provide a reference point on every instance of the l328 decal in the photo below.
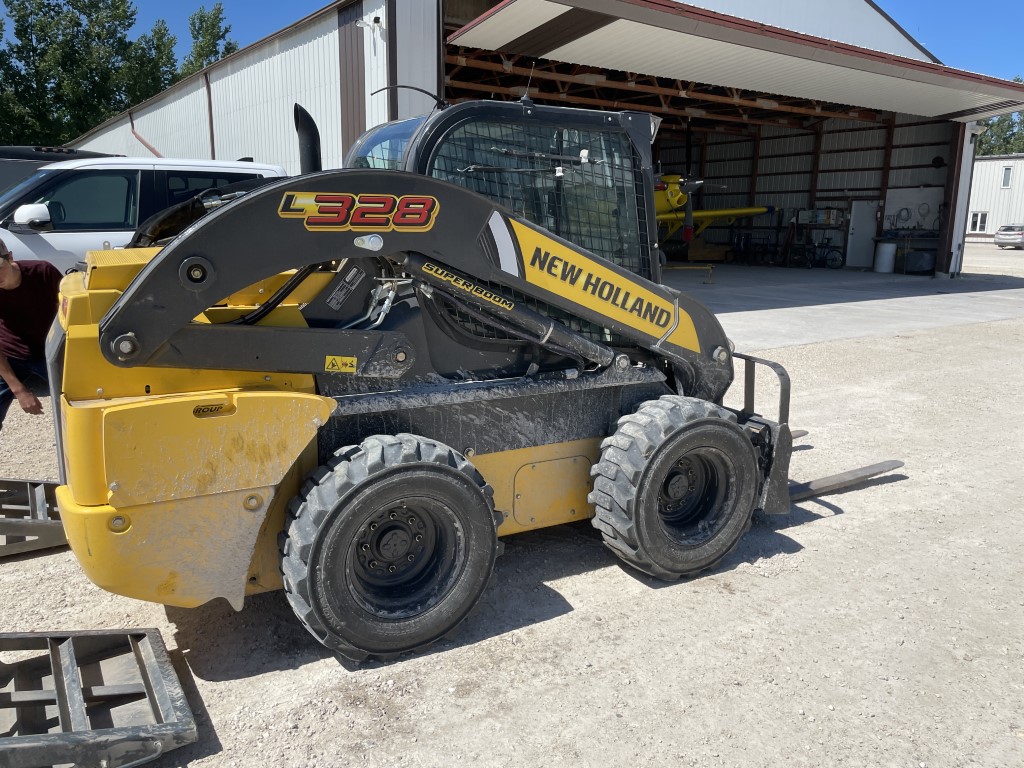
(341, 211)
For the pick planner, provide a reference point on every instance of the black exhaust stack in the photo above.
(309, 142)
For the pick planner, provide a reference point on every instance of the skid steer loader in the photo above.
(352, 383)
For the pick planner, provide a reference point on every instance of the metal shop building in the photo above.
(839, 121)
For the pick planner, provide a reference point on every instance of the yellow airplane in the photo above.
(673, 207)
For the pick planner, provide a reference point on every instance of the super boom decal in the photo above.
(342, 211)
(559, 269)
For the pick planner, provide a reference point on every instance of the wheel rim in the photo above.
(405, 558)
(693, 497)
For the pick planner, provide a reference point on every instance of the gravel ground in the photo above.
(878, 627)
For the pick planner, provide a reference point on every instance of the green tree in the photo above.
(1005, 134)
(69, 65)
(12, 113)
(152, 64)
(209, 39)
(94, 48)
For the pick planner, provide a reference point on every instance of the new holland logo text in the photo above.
(604, 289)
(341, 211)
(478, 291)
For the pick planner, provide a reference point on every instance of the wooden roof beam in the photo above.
(694, 112)
(690, 92)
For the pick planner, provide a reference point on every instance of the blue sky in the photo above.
(250, 20)
(988, 43)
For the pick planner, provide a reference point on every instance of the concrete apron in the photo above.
(770, 307)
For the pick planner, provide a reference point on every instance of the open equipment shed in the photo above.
(832, 116)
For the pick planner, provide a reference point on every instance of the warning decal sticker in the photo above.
(338, 364)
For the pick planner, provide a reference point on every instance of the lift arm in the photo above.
(474, 248)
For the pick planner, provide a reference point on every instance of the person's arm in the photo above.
(29, 402)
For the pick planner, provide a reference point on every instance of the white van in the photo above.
(65, 209)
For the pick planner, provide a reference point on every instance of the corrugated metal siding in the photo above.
(176, 126)
(917, 148)
(850, 167)
(784, 171)
(419, 37)
(852, 158)
(253, 97)
(179, 126)
(1003, 206)
(672, 157)
(117, 139)
(352, 86)
(375, 50)
(252, 92)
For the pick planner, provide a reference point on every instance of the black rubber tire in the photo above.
(656, 518)
(389, 546)
(834, 258)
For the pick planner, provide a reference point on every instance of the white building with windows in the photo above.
(997, 195)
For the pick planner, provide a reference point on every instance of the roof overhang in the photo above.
(669, 39)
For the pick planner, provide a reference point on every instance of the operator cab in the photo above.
(384, 146)
(583, 175)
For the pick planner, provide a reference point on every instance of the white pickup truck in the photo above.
(67, 208)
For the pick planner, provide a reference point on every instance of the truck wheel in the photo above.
(389, 546)
(675, 487)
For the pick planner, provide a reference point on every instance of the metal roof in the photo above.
(673, 40)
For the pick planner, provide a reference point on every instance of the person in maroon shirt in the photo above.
(28, 304)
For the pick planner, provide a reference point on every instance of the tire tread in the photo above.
(618, 473)
(326, 487)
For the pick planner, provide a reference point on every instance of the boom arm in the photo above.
(440, 233)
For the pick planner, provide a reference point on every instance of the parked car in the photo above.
(18, 163)
(65, 209)
(1010, 236)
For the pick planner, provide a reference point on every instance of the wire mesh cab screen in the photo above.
(581, 174)
(584, 184)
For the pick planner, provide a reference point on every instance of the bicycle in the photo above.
(810, 254)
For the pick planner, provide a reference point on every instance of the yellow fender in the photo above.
(190, 482)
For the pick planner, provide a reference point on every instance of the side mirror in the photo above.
(32, 218)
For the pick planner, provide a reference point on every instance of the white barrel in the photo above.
(885, 257)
